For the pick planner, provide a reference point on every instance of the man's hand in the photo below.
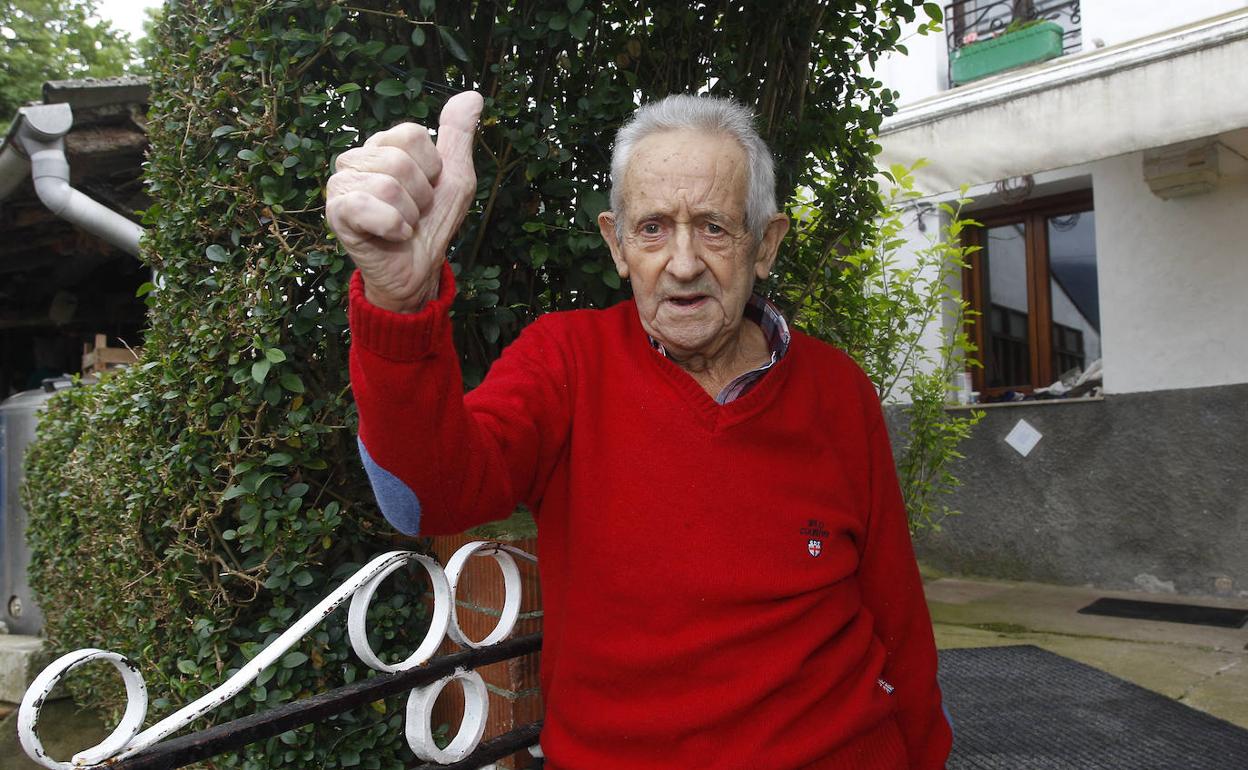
(396, 202)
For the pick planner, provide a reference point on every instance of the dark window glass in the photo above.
(1034, 285)
(1008, 357)
(1075, 306)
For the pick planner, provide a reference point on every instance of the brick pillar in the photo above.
(515, 697)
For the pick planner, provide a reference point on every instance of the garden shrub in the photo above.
(185, 511)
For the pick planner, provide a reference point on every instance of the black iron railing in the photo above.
(130, 747)
(232, 736)
(968, 21)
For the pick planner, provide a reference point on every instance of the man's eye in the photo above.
(650, 228)
(714, 229)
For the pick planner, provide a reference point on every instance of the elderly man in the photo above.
(726, 570)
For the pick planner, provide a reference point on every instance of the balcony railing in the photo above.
(969, 21)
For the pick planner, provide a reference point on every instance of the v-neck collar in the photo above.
(712, 415)
(776, 334)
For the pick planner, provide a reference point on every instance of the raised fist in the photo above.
(396, 202)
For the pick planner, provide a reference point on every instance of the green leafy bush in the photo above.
(185, 511)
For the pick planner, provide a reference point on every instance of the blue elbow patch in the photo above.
(397, 501)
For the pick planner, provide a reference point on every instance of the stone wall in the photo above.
(1144, 490)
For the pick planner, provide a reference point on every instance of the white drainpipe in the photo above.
(41, 133)
(13, 167)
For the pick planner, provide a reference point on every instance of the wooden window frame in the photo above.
(1032, 215)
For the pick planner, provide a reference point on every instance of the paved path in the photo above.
(1201, 666)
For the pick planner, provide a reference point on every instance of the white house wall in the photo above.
(931, 337)
(1110, 22)
(1173, 281)
(1143, 487)
(1172, 274)
(1104, 23)
(1077, 109)
(921, 73)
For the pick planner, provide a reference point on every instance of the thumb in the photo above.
(457, 126)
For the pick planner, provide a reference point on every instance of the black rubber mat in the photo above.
(1022, 708)
(1222, 617)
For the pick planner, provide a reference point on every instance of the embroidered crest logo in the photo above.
(815, 533)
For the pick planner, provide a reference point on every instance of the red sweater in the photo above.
(724, 586)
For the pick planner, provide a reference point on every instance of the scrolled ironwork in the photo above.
(989, 18)
(127, 740)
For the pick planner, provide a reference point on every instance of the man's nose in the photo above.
(685, 262)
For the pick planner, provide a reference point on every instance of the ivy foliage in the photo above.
(186, 510)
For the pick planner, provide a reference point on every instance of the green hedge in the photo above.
(184, 511)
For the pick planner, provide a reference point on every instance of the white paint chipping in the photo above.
(1154, 584)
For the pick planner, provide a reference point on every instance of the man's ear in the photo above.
(770, 245)
(606, 226)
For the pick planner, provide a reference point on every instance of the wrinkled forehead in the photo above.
(686, 168)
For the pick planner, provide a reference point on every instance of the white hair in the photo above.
(682, 112)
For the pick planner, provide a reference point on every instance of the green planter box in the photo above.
(1038, 42)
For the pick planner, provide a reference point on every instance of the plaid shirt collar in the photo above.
(763, 312)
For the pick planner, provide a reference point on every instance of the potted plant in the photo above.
(1023, 42)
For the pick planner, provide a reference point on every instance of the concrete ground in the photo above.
(1201, 666)
(64, 729)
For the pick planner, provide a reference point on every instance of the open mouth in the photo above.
(692, 300)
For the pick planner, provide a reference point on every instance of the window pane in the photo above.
(1073, 291)
(1008, 355)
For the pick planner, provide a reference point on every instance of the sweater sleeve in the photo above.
(441, 462)
(893, 591)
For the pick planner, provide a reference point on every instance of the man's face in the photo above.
(684, 244)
